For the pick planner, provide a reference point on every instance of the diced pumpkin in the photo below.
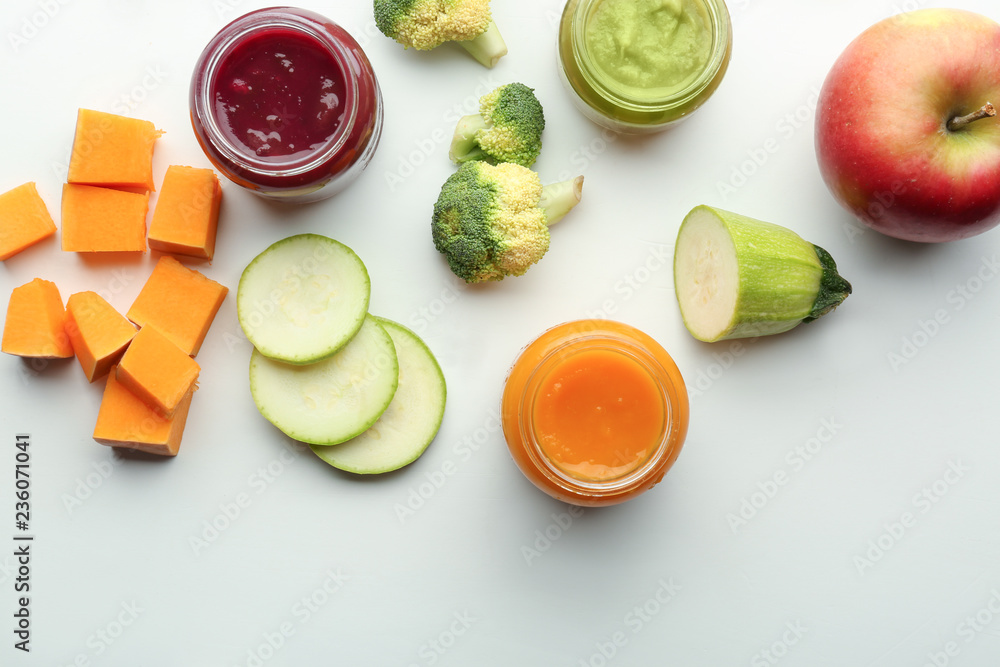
(187, 211)
(124, 420)
(112, 151)
(157, 371)
(24, 220)
(98, 219)
(98, 332)
(35, 324)
(180, 302)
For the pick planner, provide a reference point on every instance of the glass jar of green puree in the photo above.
(639, 65)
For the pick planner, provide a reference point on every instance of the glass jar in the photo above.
(285, 103)
(658, 80)
(594, 412)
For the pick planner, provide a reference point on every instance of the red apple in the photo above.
(904, 135)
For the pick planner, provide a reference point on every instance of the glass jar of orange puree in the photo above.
(594, 412)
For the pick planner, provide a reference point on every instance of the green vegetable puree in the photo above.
(652, 48)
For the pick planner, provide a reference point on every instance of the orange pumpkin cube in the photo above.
(98, 332)
(103, 220)
(157, 371)
(124, 420)
(35, 324)
(187, 212)
(180, 302)
(112, 151)
(24, 220)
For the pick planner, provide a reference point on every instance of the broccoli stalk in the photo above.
(558, 199)
(492, 221)
(488, 48)
(508, 128)
(465, 143)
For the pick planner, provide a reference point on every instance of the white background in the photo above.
(457, 559)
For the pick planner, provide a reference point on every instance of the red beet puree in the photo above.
(279, 93)
(285, 103)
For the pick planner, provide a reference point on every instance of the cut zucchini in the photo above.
(410, 422)
(737, 277)
(303, 298)
(332, 400)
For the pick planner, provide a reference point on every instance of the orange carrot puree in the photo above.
(594, 412)
(598, 414)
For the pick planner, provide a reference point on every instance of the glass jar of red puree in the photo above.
(594, 412)
(285, 103)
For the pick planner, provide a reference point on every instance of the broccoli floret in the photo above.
(425, 24)
(492, 221)
(508, 128)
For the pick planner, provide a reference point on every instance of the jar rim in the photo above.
(660, 455)
(721, 31)
(222, 45)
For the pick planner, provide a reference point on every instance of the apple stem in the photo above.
(958, 122)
